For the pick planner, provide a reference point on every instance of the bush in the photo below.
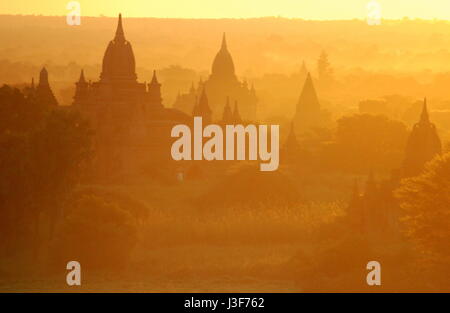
(426, 223)
(97, 233)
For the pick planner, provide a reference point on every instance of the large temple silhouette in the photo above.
(131, 125)
(221, 86)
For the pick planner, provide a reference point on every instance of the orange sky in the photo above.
(308, 9)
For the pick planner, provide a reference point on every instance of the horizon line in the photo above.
(406, 18)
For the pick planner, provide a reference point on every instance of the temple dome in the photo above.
(118, 61)
(223, 66)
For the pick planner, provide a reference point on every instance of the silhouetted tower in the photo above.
(422, 146)
(154, 92)
(227, 116)
(223, 82)
(128, 136)
(118, 61)
(308, 113)
(223, 65)
(202, 109)
(44, 93)
(81, 90)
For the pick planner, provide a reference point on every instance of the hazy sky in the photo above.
(307, 9)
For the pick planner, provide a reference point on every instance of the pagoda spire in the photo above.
(424, 117)
(422, 146)
(154, 92)
(43, 77)
(154, 79)
(308, 113)
(309, 86)
(44, 93)
(308, 98)
(224, 42)
(82, 79)
(202, 108)
(81, 90)
(120, 36)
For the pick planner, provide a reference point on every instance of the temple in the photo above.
(221, 85)
(422, 146)
(202, 109)
(43, 92)
(131, 125)
(308, 112)
(375, 210)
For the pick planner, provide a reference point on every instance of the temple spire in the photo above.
(82, 79)
(44, 93)
(154, 92)
(422, 146)
(120, 36)
(154, 79)
(424, 117)
(202, 108)
(43, 77)
(224, 42)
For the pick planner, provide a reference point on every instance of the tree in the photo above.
(425, 201)
(42, 151)
(365, 142)
(324, 70)
(58, 152)
(89, 217)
